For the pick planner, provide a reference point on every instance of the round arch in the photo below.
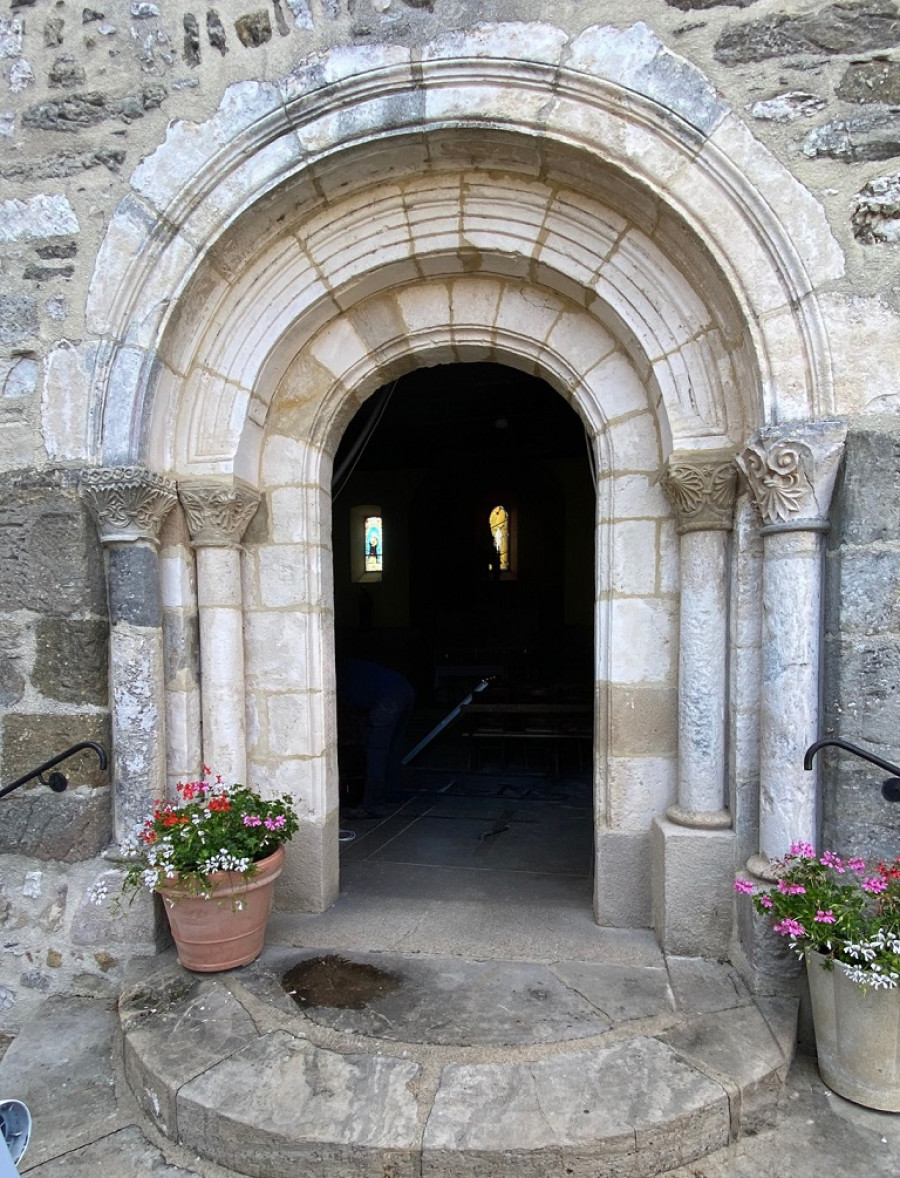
(590, 212)
(579, 108)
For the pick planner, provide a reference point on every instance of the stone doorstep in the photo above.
(229, 1067)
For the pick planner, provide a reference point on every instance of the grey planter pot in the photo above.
(857, 1037)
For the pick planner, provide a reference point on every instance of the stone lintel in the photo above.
(701, 486)
(217, 510)
(791, 471)
(129, 503)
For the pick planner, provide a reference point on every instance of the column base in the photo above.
(764, 959)
(699, 819)
(760, 866)
(692, 883)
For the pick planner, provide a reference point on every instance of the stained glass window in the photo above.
(366, 542)
(499, 523)
(373, 555)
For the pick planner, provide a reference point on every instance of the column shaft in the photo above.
(701, 488)
(789, 704)
(222, 661)
(218, 512)
(129, 505)
(791, 471)
(702, 679)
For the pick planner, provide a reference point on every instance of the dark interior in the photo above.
(436, 451)
(450, 443)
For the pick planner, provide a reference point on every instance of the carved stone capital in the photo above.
(128, 502)
(217, 511)
(791, 472)
(701, 487)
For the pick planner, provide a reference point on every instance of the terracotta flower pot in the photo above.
(857, 1036)
(228, 927)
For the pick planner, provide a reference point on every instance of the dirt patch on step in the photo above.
(338, 983)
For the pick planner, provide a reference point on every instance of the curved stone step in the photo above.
(468, 1068)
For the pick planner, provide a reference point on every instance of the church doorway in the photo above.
(463, 538)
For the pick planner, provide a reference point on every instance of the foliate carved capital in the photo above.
(701, 488)
(791, 472)
(128, 502)
(217, 512)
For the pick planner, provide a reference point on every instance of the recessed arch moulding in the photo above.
(592, 216)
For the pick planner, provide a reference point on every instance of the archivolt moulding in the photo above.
(643, 114)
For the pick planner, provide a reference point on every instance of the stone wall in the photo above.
(862, 642)
(53, 682)
(86, 92)
(53, 688)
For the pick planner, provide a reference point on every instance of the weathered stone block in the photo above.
(871, 81)
(36, 273)
(89, 108)
(38, 217)
(839, 28)
(702, 5)
(867, 498)
(18, 318)
(643, 721)
(71, 660)
(65, 163)
(53, 31)
(870, 137)
(181, 648)
(50, 557)
(876, 214)
(254, 29)
(137, 920)
(870, 592)
(134, 585)
(768, 966)
(215, 31)
(29, 739)
(622, 856)
(63, 249)
(692, 871)
(858, 819)
(66, 72)
(11, 32)
(784, 108)
(66, 828)
(191, 39)
(862, 680)
(12, 678)
(18, 378)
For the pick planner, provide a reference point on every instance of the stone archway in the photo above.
(371, 214)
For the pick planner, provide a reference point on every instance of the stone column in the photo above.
(791, 471)
(701, 488)
(694, 847)
(129, 505)
(217, 514)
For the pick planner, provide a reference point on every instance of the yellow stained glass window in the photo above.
(499, 523)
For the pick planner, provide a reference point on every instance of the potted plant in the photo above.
(214, 857)
(843, 917)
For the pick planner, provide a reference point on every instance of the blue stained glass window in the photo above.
(374, 544)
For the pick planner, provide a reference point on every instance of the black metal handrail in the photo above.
(890, 789)
(58, 781)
